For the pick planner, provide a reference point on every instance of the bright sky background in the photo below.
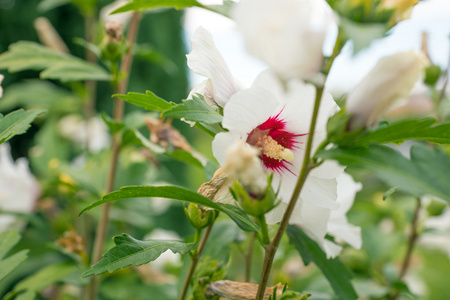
(432, 16)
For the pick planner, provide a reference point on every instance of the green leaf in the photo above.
(427, 173)
(25, 55)
(45, 277)
(335, 271)
(43, 94)
(46, 5)
(114, 126)
(152, 4)
(149, 101)
(8, 240)
(178, 193)
(417, 129)
(130, 251)
(16, 123)
(196, 110)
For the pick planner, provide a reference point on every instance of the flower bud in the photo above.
(113, 44)
(199, 216)
(255, 204)
(390, 80)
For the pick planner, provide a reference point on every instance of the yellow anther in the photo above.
(270, 148)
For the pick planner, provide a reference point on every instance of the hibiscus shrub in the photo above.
(299, 193)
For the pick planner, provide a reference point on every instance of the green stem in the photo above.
(264, 230)
(195, 260)
(271, 248)
(248, 257)
(307, 166)
(411, 243)
(119, 107)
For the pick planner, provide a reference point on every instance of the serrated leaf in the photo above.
(114, 126)
(149, 101)
(178, 193)
(337, 274)
(427, 173)
(130, 251)
(16, 123)
(25, 55)
(195, 110)
(152, 4)
(417, 129)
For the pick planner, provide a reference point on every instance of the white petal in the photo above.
(248, 109)
(313, 220)
(205, 60)
(320, 192)
(328, 170)
(331, 249)
(220, 143)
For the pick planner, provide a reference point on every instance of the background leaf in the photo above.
(152, 4)
(427, 173)
(178, 193)
(149, 101)
(26, 55)
(130, 251)
(335, 271)
(9, 239)
(16, 123)
(196, 110)
(416, 129)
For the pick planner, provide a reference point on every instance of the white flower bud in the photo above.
(242, 162)
(288, 35)
(390, 80)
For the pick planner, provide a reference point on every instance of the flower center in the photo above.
(275, 143)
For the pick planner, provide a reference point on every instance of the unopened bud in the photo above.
(199, 216)
(113, 45)
(392, 79)
(255, 204)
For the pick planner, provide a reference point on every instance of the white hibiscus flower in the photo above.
(205, 60)
(288, 35)
(19, 189)
(276, 121)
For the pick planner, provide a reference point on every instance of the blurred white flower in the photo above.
(167, 257)
(392, 79)
(1, 89)
(277, 122)
(92, 132)
(288, 35)
(205, 60)
(19, 190)
(437, 232)
(338, 225)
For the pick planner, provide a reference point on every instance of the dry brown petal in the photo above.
(114, 31)
(162, 133)
(72, 242)
(240, 290)
(217, 189)
(49, 36)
